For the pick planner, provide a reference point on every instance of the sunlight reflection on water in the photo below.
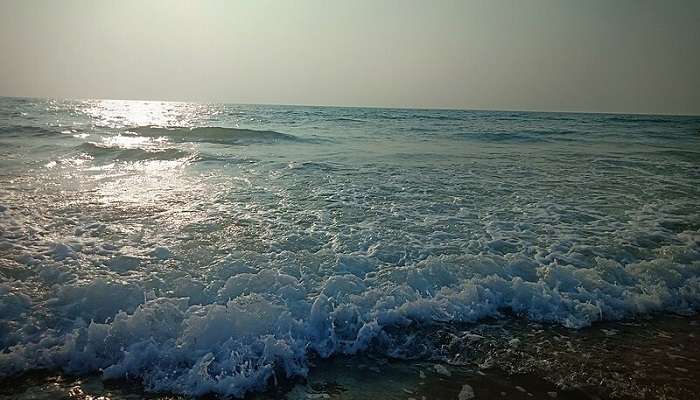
(135, 178)
(128, 113)
(145, 182)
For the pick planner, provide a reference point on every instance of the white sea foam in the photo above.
(267, 322)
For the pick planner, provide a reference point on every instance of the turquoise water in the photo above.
(213, 248)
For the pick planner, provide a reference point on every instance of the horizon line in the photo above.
(417, 108)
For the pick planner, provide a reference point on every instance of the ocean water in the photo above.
(212, 248)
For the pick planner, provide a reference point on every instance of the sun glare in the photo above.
(132, 113)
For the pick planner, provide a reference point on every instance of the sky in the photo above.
(634, 56)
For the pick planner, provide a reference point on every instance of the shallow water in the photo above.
(204, 248)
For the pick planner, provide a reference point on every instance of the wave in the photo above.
(23, 130)
(678, 154)
(255, 323)
(345, 119)
(214, 134)
(523, 136)
(131, 154)
(642, 119)
(511, 137)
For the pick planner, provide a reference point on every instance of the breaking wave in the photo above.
(131, 154)
(251, 317)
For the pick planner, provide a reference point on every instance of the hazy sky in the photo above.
(581, 55)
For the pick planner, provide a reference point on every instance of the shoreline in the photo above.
(649, 357)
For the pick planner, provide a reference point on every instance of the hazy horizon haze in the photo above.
(596, 56)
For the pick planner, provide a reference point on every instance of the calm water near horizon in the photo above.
(213, 248)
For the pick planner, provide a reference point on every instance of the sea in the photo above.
(223, 249)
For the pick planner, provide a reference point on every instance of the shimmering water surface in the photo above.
(208, 248)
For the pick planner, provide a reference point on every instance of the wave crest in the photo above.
(214, 134)
(131, 154)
